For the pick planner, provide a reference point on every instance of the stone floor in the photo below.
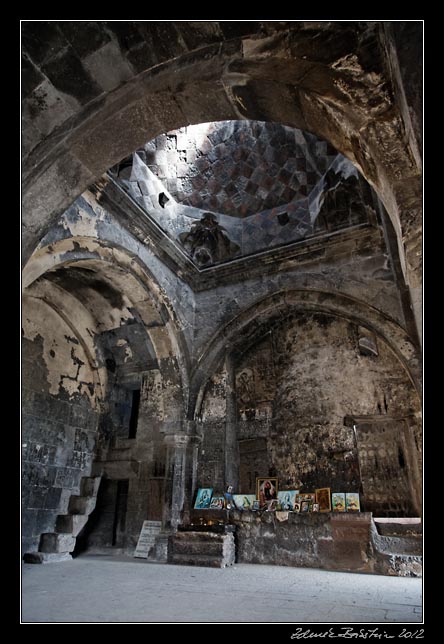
(105, 589)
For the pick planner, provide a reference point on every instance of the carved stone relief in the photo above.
(207, 242)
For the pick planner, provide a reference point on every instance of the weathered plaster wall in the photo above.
(59, 418)
(75, 236)
(294, 387)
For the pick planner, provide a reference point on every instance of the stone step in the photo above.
(71, 523)
(398, 528)
(46, 557)
(197, 560)
(81, 504)
(201, 549)
(89, 485)
(211, 549)
(55, 542)
(201, 537)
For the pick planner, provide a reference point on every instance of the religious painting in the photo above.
(315, 507)
(203, 498)
(352, 502)
(272, 505)
(266, 489)
(217, 503)
(256, 505)
(305, 506)
(323, 497)
(338, 501)
(286, 499)
(307, 496)
(244, 501)
(297, 506)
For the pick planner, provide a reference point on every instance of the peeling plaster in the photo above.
(67, 366)
(84, 225)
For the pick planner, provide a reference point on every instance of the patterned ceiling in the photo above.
(238, 168)
(234, 188)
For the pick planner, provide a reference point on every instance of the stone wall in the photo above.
(327, 540)
(303, 540)
(59, 419)
(294, 389)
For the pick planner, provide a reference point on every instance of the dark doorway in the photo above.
(107, 522)
(135, 404)
(156, 484)
(120, 513)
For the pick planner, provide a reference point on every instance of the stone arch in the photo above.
(249, 326)
(127, 271)
(118, 290)
(338, 89)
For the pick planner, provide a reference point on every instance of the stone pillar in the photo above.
(232, 459)
(180, 478)
(174, 490)
(190, 480)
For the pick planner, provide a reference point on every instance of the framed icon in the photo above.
(266, 489)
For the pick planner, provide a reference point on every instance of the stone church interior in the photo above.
(221, 293)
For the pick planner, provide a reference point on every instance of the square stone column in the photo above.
(179, 478)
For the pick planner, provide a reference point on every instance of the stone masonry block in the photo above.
(71, 523)
(81, 504)
(53, 542)
(89, 485)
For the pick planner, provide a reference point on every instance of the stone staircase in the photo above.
(58, 545)
(398, 547)
(201, 548)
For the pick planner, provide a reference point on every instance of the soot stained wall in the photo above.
(294, 387)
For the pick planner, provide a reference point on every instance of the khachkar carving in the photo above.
(207, 242)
